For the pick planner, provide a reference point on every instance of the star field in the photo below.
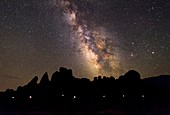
(92, 37)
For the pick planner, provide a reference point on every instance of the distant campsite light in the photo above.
(74, 97)
(62, 95)
(104, 96)
(13, 97)
(143, 96)
(123, 96)
(30, 97)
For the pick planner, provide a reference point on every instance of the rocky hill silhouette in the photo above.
(64, 92)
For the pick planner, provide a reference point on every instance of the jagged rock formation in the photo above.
(64, 91)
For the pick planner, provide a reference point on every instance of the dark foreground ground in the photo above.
(131, 110)
(156, 111)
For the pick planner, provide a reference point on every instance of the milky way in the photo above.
(92, 41)
(91, 37)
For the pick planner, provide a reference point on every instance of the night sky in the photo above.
(91, 37)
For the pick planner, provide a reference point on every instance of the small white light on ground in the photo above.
(13, 97)
(123, 95)
(62, 95)
(104, 96)
(30, 97)
(74, 97)
(143, 96)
